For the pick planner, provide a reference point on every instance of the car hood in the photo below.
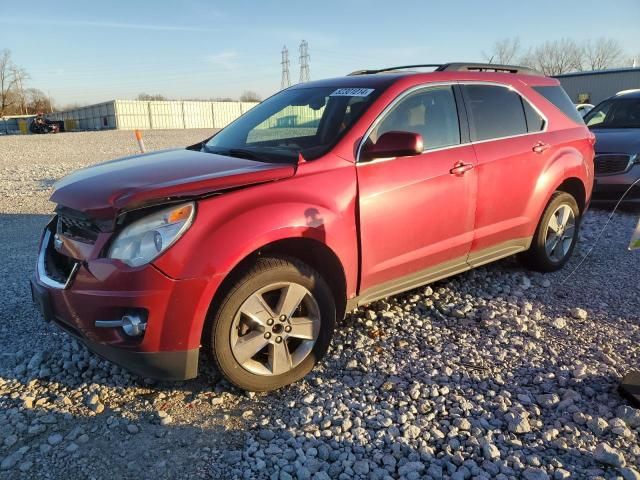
(617, 140)
(103, 190)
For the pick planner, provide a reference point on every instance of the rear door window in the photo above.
(494, 112)
(560, 99)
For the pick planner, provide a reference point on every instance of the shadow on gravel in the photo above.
(44, 410)
(29, 224)
(622, 208)
(123, 441)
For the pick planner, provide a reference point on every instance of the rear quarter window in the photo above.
(560, 99)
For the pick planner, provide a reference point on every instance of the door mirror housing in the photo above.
(393, 144)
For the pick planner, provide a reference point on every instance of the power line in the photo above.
(305, 76)
(286, 81)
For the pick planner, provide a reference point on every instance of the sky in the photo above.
(92, 51)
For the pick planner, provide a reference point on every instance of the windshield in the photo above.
(307, 121)
(615, 113)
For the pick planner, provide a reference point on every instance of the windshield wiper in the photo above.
(241, 153)
(233, 152)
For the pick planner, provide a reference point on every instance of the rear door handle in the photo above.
(540, 147)
(460, 168)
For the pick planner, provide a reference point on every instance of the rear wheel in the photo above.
(274, 325)
(556, 235)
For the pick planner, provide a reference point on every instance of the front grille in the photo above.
(77, 228)
(54, 269)
(58, 267)
(610, 164)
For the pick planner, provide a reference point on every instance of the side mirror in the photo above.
(394, 144)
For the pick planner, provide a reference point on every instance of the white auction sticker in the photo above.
(352, 92)
(635, 238)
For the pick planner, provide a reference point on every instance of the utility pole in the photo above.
(304, 62)
(286, 81)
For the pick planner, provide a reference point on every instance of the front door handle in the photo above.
(540, 147)
(460, 168)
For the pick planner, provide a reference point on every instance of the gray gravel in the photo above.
(496, 373)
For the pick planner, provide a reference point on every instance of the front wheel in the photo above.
(274, 325)
(556, 235)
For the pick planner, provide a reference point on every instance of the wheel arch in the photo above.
(311, 251)
(566, 172)
(575, 187)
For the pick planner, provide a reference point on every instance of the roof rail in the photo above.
(390, 69)
(457, 67)
(488, 67)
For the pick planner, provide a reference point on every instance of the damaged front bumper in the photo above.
(78, 295)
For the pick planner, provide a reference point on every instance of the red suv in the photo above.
(326, 196)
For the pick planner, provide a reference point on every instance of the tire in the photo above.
(538, 257)
(255, 307)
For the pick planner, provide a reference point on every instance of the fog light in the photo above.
(133, 325)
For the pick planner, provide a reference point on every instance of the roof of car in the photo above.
(635, 93)
(370, 81)
(384, 79)
(457, 67)
(447, 72)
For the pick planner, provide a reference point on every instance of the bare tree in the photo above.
(555, 57)
(504, 51)
(249, 96)
(565, 55)
(602, 53)
(19, 76)
(37, 101)
(70, 106)
(155, 97)
(7, 82)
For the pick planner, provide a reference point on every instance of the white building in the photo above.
(145, 115)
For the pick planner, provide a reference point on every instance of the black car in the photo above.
(616, 124)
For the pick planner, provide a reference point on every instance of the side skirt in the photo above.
(440, 271)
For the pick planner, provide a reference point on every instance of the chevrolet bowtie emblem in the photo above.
(57, 242)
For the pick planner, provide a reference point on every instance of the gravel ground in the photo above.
(496, 373)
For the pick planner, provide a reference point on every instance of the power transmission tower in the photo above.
(304, 62)
(286, 81)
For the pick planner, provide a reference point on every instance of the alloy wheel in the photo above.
(560, 233)
(275, 329)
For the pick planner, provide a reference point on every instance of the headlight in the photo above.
(145, 239)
